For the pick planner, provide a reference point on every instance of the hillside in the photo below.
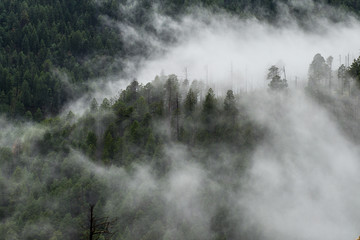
(51, 50)
(179, 119)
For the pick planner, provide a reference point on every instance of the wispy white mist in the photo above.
(245, 49)
(226, 51)
(303, 183)
(303, 180)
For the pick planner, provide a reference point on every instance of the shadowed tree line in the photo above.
(117, 131)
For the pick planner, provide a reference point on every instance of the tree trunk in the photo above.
(91, 232)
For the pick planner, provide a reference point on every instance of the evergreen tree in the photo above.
(343, 78)
(276, 82)
(105, 105)
(230, 108)
(91, 142)
(209, 110)
(94, 105)
(318, 72)
(25, 94)
(109, 147)
(354, 70)
(38, 116)
(190, 103)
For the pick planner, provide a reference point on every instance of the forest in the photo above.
(42, 41)
(172, 157)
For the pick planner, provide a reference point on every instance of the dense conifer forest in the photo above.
(174, 157)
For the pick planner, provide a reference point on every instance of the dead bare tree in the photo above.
(98, 227)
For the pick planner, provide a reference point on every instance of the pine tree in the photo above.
(209, 110)
(276, 82)
(190, 103)
(94, 105)
(230, 108)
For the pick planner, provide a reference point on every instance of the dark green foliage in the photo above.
(122, 131)
(91, 141)
(190, 103)
(38, 116)
(105, 105)
(52, 176)
(109, 147)
(352, 5)
(45, 42)
(209, 110)
(47, 206)
(354, 70)
(94, 106)
(28, 116)
(39, 39)
(268, 10)
(119, 136)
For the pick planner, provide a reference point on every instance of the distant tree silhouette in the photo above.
(276, 82)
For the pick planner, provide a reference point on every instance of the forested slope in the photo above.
(129, 132)
(142, 159)
(50, 49)
(46, 47)
(167, 159)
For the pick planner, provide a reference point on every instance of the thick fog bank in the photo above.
(301, 180)
(226, 51)
(238, 52)
(303, 183)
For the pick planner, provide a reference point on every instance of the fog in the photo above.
(229, 49)
(301, 181)
(226, 51)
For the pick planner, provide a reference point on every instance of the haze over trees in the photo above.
(276, 83)
(48, 49)
(120, 133)
(175, 157)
